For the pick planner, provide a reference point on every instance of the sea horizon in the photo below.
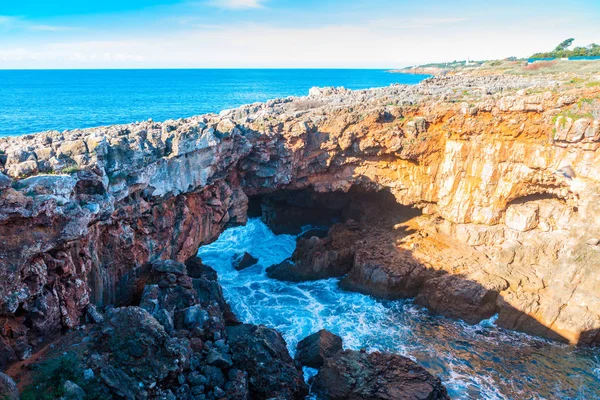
(38, 100)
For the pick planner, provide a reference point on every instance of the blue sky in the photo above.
(283, 33)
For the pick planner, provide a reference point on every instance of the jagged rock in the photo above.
(218, 359)
(120, 383)
(262, 352)
(159, 190)
(313, 350)
(353, 375)
(316, 258)
(8, 388)
(139, 344)
(243, 261)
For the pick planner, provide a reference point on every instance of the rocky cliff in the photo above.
(506, 171)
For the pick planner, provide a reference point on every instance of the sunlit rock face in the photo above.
(505, 173)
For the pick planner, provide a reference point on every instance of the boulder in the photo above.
(262, 352)
(353, 375)
(243, 261)
(458, 297)
(313, 350)
(318, 258)
(8, 388)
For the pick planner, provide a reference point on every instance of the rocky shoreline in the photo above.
(504, 172)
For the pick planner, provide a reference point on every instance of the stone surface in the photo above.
(313, 350)
(8, 388)
(262, 352)
(353, 375)
(84, 213)
(243, 261)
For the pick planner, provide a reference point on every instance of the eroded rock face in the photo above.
(358, 375)
(83, 212)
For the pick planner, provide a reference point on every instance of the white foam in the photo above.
(474, 361)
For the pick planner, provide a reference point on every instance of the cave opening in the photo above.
(291, 211)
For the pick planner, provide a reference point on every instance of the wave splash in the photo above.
(473, 361)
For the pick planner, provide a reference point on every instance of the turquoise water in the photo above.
(474, 362)
(34, 101)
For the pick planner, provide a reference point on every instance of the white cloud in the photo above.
(236, 4)
(374, 44)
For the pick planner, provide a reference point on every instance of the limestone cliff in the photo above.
(505, 169)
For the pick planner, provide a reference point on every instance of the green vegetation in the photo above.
(71, 169)
(49, 377)
(593, 84)
(562, 51)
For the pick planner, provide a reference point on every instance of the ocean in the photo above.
(479, 361)
(39, 100)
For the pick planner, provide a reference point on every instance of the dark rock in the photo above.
(195, 378)
(243, 261)
(138, 343)
(214, 376)
(316, 258)
(7, 354)
(353, 375)
(262, 352)
(119, 382)
(456, 297)
(8, 388)
(313, 350)
(219, 359)
(219, 393)
(237, 385)
(22, 349)
(169, 267)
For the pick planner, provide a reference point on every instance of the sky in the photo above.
(44, 34)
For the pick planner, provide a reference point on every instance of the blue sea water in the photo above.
(38, 100)
(474, 362)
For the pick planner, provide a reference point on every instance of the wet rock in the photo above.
(318, 258)
(352, 375)
(313, 350)
(243, 261)
(262, 352)
(8, 388)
